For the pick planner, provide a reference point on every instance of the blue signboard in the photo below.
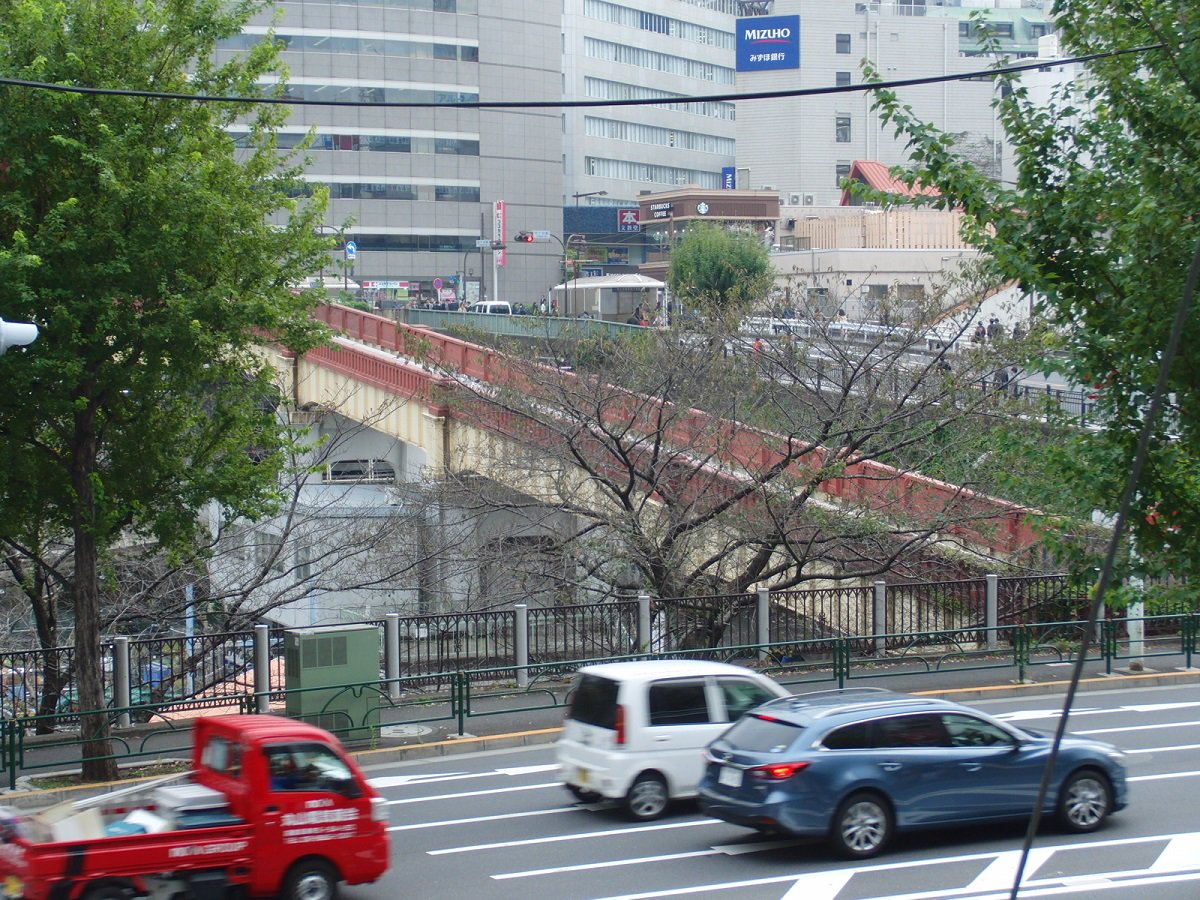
(768, 42)
(728, 178)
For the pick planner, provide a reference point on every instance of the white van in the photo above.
(634, 731)
(494, 307)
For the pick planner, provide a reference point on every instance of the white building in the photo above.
(804, 146)
(643, 49)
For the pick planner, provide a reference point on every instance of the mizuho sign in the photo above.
(768, 42)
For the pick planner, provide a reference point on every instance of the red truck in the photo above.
(272, 807)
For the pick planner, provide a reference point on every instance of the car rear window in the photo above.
(761, 734)
(595, 702)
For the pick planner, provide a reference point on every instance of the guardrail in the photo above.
(522, 326)
(542, 685)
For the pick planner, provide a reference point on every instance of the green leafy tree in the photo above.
(1101, 223)
(719, 270)
(154, 256)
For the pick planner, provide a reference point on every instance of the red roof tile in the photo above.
(880, 177)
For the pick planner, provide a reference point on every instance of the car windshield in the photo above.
(761, 734)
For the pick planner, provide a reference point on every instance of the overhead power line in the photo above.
(992, 72)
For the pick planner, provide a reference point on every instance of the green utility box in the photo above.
(344, 658)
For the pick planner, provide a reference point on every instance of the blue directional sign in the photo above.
(351, 249)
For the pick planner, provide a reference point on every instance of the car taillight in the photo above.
(777, 771)
(379, 810)
(620, 724)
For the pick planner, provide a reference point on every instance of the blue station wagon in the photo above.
(859, 765)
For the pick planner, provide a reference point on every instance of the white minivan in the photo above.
(492, 307)
(634, 731)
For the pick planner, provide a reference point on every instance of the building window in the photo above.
(1002, 29)
(842, 129)
(964, 29)
(1038, 29)
(843, 43)
(842, 79)
(842, 171)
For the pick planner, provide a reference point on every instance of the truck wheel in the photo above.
(108, 892)
(310, 879)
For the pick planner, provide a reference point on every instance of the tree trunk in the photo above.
(98, 764)
(93, 729)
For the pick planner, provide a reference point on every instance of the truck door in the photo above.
(314, 806)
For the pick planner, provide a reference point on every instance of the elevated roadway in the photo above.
(400, 379)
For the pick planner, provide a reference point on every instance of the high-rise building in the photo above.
(804, 146)
(425, 185)
(421, 185)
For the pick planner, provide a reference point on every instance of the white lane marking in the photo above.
(1163, 776)
(471, 821)
(920, 863)
(1002, 871)
(1165, 749)
(1136, 728)
(743, 849)
(715, 850)
(529, 770)
(610, 864)
(1025, 715)
(388, 781)
(1054, 887)
(556, 838)
(484, 793)
(819, 885)
(1159, 707)
(1180, 855)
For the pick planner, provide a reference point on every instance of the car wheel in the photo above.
(583, 796)
(310, 879)
(1084, 801)
(862, 826)
(647, 799)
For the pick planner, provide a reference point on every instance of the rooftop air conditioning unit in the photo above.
(794, 200)
(809, 200)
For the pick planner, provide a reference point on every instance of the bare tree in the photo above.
(686, 464)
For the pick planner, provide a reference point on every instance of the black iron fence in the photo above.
(431, 647)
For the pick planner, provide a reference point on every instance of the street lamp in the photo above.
(582, 240)
(321, 231)
(589, 194)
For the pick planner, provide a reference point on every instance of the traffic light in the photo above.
(524, 237)
(16, 334)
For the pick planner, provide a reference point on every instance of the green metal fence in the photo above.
(470, 694)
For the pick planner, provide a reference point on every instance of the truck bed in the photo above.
(126, 833)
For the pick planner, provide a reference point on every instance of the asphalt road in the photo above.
(497, 824)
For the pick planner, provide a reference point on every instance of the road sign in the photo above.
(437, 284)
(351, 249)
(483, 243)
(541, 235)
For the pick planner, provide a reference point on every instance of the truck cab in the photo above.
(272, 807)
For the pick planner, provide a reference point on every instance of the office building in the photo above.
(421, 184)
(804, 146)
